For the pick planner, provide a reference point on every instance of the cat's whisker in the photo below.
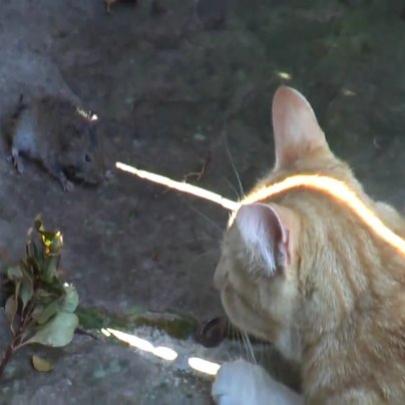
(243, 352)
(263, 350)
(237, 336)
(233, 188)
(210, 221)
(250, 348)
(232, 162)
(205, 253)
(246, 347)
(261, 354)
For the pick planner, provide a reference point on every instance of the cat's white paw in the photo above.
(237, 383)
(242, 383)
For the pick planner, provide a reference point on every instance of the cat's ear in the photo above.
(297, 133)
(268, 231)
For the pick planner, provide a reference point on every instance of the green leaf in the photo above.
(71, 300)
(14, 273)
(36, 253)
(37, 311)
(57, 332)
(48, 312)
(50, 267)
(41, 365)
(26, 291)
(39, 226)
(11, 308)
(43, 296)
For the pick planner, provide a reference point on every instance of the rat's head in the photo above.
(83, 153)
(276, 253)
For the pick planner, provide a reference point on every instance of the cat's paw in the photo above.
(242, 383)
(237, 383)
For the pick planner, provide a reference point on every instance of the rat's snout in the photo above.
(108, 174)
(90, 174)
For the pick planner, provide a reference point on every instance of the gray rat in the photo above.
(59, 135)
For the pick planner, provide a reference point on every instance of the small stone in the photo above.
(199, 137)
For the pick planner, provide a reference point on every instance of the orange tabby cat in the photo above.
(301, 269)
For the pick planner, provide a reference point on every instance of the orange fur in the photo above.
(336, 301)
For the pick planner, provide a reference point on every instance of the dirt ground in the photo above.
(178, 85)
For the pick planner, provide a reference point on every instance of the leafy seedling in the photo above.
(39, 306)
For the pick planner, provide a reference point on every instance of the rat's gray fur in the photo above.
(59, 135)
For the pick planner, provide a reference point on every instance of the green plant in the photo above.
(39, 306)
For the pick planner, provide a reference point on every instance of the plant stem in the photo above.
(14, 345)
(6, 357)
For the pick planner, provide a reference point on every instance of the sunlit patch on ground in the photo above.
(204, 366)
(142, 344)
(166, 353)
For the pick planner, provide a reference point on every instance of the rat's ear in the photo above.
(268, 231)
(297, 133)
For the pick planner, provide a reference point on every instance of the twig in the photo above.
(198, 175)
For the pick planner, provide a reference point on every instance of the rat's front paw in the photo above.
(242, 383)
(67, 185)
(17, 162)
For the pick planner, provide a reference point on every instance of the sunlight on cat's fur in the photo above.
(337, 190)
(303, 271)
(334, 188)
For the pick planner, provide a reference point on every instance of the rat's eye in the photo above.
(87, 157)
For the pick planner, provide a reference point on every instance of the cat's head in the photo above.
(275, 252)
